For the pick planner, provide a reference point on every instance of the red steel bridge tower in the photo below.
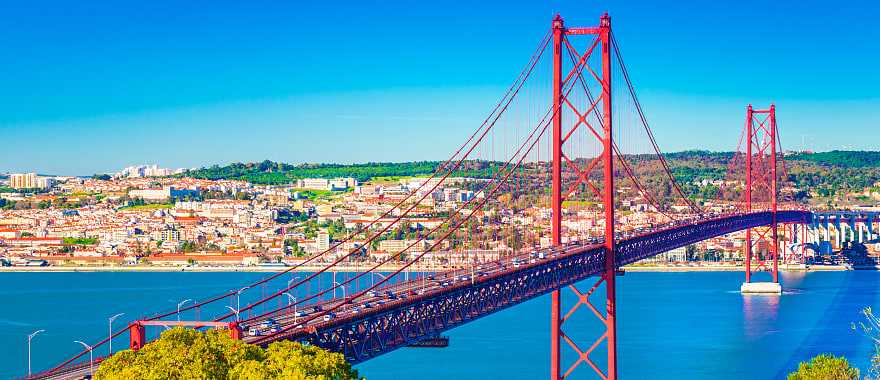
(560, 134)
(761, 185)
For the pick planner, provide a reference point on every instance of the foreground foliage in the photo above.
(825, 367)
(871, 328)
(183, 353)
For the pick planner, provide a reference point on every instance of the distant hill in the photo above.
(825, 172)
(841, 158)
(269, 172)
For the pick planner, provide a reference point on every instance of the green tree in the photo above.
(871, 328)
(291, 360)
(188, 246)
(80, 241)
(182, 353)
(337, 229)
(690, 252)
(825, 367)
(295, 249)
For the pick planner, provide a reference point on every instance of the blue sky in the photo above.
(94, 86)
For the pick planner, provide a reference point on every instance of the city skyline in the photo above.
(252, 83)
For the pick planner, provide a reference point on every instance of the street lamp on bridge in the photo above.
(288, 287)
(341, 287)
(291, 281)
(234, 310)
(373, 278)
(179, 304)
(238, 298)
(110, 331)
(289, 298)
(91, 358)
(30, 337)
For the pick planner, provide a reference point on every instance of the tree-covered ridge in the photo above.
(826, 173)
(276, 173)
(841, 158)
(836, 158)
(269, 172)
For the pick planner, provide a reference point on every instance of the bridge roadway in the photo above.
(422, 308)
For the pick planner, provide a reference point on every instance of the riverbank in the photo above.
(729, 268)
(141, 268)
(392, 268)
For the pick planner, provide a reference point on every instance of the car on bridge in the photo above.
(269, 322)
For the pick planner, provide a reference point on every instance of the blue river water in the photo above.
(687, 325)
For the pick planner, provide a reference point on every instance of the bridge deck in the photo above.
(368, 327)
(423, 308)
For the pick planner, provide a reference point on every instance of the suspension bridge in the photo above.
(555, 164)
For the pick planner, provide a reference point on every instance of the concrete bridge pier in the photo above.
(838, 237)
(827, 231)
(853, 225)
(765, 288)
(769, 288)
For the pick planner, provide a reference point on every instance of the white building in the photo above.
(23, 181)
(313, 183)
(327, 184)
(343, 183)
(162, 194)
(30, 181)
(147, 171)
(323, 241)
